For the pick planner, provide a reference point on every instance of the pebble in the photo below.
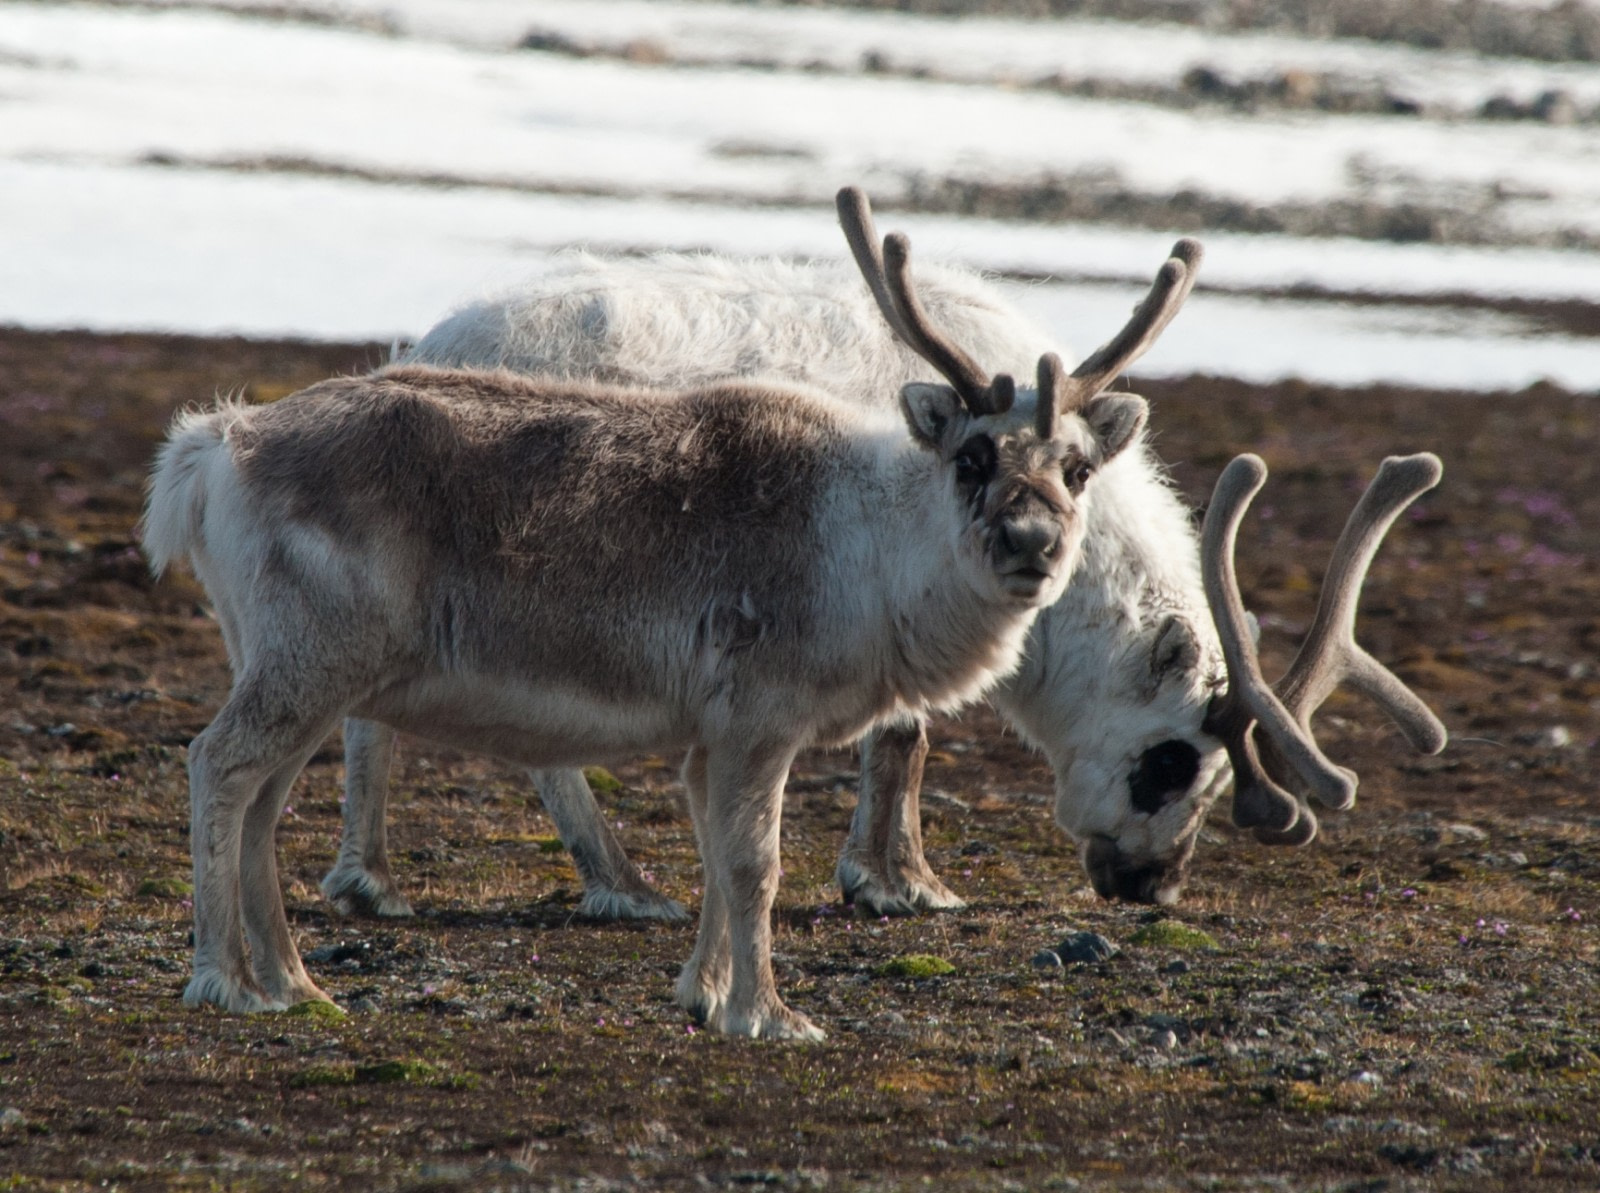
(1084, 948)
(1165, 1039)
(1047, 959)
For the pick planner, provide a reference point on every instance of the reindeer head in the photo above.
(1264, 732)
(1023, 458)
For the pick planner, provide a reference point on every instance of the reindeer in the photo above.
(555, 571)
(1120, 677)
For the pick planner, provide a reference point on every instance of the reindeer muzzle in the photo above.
(1115, 875)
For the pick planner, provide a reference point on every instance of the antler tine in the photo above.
(1051, 378)
(1258, 801)
(1171, 287)
(970, 381)
(897, 300)
(861, 234)
(1330, 654)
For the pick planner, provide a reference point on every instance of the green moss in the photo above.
(320, 1075)
(916, 965)
(390, 1072)
(601, 781)
(165, 888)
(316, 1009)
(1170, 934)
(549, 844)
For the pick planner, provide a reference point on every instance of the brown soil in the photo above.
(1413, 1001)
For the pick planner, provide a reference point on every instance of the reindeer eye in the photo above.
(975, 463)
(1076, 472)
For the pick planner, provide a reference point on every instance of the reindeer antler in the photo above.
(1328, 656)
(897, 298)
(888, 275)
(1172, 284)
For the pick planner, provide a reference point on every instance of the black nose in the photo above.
(1164, 774)
(1115, 876)
(1031, 539)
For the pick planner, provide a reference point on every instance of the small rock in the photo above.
(1555, 107)
(1178, 966)
(336, 953)
(1085, 948)
(11, 1118)
(1556, 737)
(1164, 1039)
(1048, 960)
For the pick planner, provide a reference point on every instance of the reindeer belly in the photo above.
(538, 725)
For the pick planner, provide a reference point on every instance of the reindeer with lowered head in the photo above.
(1124, 680)
(554, 572)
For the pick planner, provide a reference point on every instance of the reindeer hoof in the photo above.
(238, 996)
(641, 904)
(772, 1022)
(361, 893)
(702, 998)
(904, 891)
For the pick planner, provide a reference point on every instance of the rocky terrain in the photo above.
(1411, 1002)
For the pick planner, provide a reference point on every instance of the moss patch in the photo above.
(165, 888)
(317, 1010)
(916, 965)
(391, 1072)
(601, 781)
(1170, 934)
(321, 1075)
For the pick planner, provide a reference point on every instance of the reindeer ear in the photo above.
(929, 411)
(1116, 420)
(1176, 649)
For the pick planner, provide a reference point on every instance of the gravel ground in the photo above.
(1411, 1002)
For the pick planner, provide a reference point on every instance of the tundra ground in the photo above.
(1413, 1001)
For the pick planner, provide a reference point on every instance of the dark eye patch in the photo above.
(975, 463)
(1163, 774)
(1075, 472)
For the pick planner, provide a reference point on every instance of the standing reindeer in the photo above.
(1119, 679)
(554, 571)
